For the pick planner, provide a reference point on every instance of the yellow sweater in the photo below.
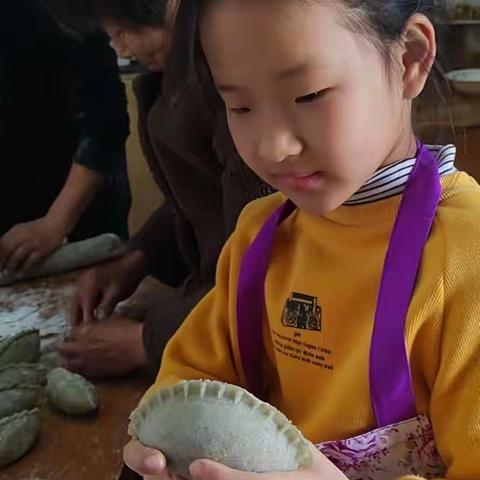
(319, 379)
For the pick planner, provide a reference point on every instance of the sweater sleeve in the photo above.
(411, 477)
(206, 345)
(203, 347)
(455, 400)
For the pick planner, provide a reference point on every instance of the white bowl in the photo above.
(465, 81)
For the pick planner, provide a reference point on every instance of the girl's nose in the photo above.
(278, 144)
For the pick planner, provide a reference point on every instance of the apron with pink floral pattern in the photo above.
(403, 442)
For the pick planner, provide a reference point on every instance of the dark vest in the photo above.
(37, 136)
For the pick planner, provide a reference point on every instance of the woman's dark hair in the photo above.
(380, 21)
(132, 14)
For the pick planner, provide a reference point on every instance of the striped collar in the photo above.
(392, 179)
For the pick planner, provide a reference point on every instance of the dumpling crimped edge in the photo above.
(210, 389)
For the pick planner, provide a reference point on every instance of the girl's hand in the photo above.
(321, 469)
(146, 461)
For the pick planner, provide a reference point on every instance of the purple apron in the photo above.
(403, 443)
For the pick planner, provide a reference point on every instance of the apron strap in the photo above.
(391, 386)
(251, 300)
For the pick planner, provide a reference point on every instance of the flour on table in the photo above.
(41, 307)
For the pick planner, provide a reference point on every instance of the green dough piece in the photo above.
(18, 434)
(23, 373)
(24, 347)
(16, 398)
(212, 420)
(70, 392)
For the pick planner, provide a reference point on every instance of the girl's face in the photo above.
(310, 105)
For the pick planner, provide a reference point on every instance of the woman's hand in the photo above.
(152, 465)
(101, 288)
(25, 245)
(111, 348)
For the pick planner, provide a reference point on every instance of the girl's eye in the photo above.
(311, 97)
(240, 110)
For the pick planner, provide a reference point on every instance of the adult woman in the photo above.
(63, 126)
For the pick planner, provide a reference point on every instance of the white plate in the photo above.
(465, 81)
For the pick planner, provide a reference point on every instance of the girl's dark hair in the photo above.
(384, 21)
(132, 14)
(381, 21)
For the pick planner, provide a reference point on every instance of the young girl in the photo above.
(350, 299)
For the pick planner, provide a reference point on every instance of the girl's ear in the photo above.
(418, 52)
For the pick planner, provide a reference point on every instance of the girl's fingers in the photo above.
(145, 461)
(208, 470)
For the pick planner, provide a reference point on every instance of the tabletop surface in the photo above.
(69, 448)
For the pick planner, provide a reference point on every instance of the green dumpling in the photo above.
(23, 373)
(212, 420)
(18, 434)
(16, 397)
(24, 347)
(70, 392)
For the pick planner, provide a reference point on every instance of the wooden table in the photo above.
(71, 448)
